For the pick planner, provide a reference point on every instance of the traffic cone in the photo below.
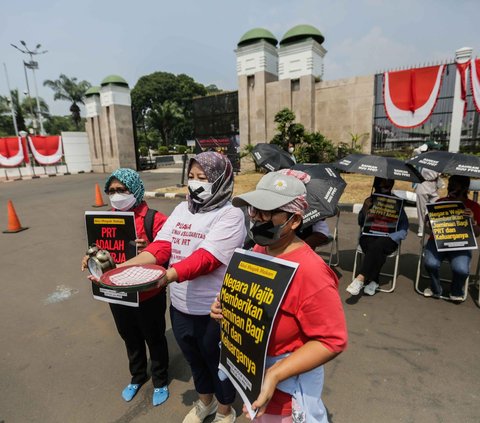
(13, 221)
(98, 197)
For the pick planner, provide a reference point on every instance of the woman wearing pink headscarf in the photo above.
(309, 328)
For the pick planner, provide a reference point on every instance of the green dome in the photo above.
(115, 80)
(301, 32)
(257, 34)
(92, 91)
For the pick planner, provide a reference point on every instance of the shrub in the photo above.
(163, 150)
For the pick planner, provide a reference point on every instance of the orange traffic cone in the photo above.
(13, 221)
(98, 197)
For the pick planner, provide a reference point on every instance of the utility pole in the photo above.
(10, 101)
(32, 65)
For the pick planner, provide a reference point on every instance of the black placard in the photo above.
(451, 229)
(382, 218)
(116, 233)
(252, 290)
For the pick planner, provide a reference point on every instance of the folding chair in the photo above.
(333, 254)
(395, 255)
(421, 275)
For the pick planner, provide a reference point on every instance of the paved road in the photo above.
(410, 359)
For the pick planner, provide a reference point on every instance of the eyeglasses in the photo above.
(265, 215)
(118, 190)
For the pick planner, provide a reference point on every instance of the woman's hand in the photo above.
(469, 213)
(216, 310)
(140, 243)
(268, 388)
(84, 262)
(367, 204)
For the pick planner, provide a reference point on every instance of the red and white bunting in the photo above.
(47, 150)
(475, 82)
(410, 95)
(11, 152)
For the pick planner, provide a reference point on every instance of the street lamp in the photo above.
(32, 65)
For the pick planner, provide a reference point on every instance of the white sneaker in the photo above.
(420, 234)
(371, 288)
(221, 418)
(201, 411)
(429, 293)
(456, 298)
(355, 287)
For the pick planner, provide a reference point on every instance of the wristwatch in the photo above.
(99, 261)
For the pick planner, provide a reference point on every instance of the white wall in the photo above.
(76, 151)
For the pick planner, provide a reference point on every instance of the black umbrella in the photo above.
(383, 167)
(323, 191)
(271, 157)
(447, 162)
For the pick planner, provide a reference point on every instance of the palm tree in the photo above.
(165, 117)
(17, 107)
(69, 89)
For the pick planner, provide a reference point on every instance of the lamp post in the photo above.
(32, 65)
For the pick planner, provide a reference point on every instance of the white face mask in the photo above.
(122, 202)
(203, 195)
(291, 150)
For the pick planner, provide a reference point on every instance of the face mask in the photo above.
(291, 150)
(266, 233)
(122, 202)
(200, 191)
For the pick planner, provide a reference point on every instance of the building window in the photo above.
(251, 81)
(295, 84)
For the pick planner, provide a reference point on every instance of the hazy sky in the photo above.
(90, 39)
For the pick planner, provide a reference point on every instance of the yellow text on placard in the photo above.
(258, 270)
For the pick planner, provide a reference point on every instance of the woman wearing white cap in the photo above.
(309, 328)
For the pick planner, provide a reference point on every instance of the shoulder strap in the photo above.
(148, 223)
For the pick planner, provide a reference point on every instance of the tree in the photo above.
(151, 91)
(29, 108)
(19, 113)
(165, 117)
(69, 89)
(54, 125)
(288, 130)
(316, 148)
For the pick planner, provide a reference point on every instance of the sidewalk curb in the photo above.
(345, 207)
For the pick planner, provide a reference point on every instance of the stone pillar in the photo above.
(462, 55)
(116, 124)
(92, 127)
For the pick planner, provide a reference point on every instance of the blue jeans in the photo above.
(198, 337)
(459, 262)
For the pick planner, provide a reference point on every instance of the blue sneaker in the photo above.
(160, 395)
(130, 391)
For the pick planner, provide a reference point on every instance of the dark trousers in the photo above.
(376, 249)
(198, 337)
(144, 325)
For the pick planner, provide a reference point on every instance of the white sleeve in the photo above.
(322, 227)
(227, 233)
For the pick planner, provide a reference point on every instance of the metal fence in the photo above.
(387, 137)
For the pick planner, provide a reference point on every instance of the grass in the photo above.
(357, 189)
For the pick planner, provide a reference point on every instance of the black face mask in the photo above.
(266, 233)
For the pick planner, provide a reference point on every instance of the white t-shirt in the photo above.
(219, 232)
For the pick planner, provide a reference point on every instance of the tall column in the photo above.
(462, 55)
(116, 124)
(92, 127)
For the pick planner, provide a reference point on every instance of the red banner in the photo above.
(410, 95)
(47, 150)
(475, 82)
(11, 152)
